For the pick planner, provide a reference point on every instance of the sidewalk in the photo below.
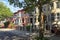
(6, 29)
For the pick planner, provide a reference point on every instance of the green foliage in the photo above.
(6, 24)
(9, 24)
(4, 11)
(15, 2)
(28, 5)
(28, 27)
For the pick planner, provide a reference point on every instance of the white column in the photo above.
(55, 5)
(19, 23)
(37, 14)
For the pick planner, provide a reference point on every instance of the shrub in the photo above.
(6, 24)
(28, 28)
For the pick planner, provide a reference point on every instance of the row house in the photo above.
(52, 12)
(21, 18)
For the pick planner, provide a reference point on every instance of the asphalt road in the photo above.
(6, 35)
(55, 37)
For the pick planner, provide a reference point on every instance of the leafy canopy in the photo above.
(28, 5)
(4, 11)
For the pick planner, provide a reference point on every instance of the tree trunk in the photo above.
(39, 16)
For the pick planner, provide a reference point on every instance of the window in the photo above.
(55, 16)
(58, 4)
(44, 8)
(58, 16)
(35, 19)
(17, 21)
(19, 14)
(23, 20)
(52, 17)
(51, 5)
(31, 20)
(49, 19)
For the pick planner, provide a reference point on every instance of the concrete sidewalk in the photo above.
(6, 29)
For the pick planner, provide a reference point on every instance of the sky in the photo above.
(12, 8)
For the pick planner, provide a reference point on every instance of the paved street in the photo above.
(8, 35)
(52, 36)
(11, 34)
(55, 37)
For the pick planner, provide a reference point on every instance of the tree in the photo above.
(29, 5)
(4, 11)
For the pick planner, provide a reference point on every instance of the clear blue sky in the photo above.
(12, 8)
